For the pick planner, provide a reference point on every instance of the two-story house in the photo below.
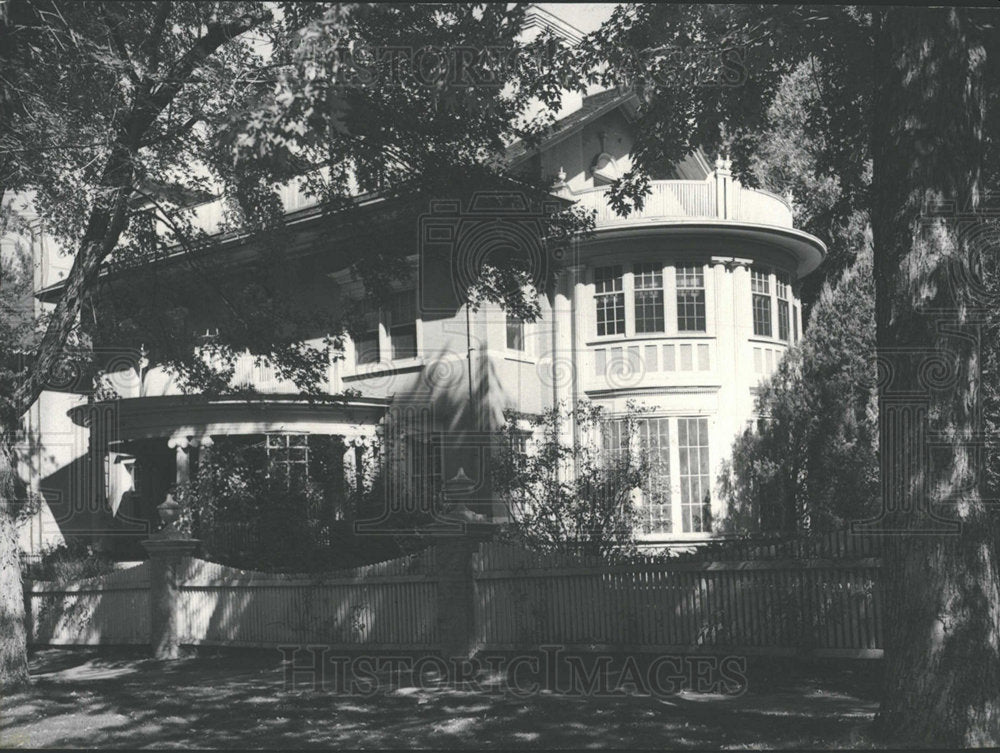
(683, 306)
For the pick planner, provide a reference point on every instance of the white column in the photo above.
(723, 189)
(182, 445)
(563, 369)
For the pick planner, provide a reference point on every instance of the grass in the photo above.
(87, 698)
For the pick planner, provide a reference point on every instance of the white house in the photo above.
(683, 306)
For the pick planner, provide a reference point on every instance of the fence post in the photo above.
(169, 551)
(453, 555)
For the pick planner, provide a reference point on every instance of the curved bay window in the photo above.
(657, 514)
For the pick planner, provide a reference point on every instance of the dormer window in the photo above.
(605, 169)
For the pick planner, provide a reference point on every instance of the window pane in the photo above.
(648, 298)
(690, 299)
(609, 298)
(762, 315)
(782, 319)
(695, 478)
(515, 333)
(655, 515)
(402, 317)
(403, 340)
(288, 459)
(366, 348)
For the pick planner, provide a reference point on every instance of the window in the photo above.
(402, 325)
(760, 285)
(654, 441)
(783, 296)
(288, 459)
(648, 298)
(366, 347)
(515, 333)
(399, 318)
(690, 299)
(609, 297)
(696, 498)
(795, 324)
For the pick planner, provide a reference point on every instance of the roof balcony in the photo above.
(717, 198)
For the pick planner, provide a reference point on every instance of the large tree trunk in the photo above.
(943, 602)
(13, 654)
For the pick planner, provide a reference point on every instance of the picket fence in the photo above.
(819, 597)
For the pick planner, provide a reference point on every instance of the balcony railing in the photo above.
(718, 198)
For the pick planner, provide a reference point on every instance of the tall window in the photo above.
(288, 459)
(400, 320)
(783, 304)
(609, 297)
(654, 440)
(402, 325)
(795, 324)
(760, 286)
(648, 298)
(690, 299)
(366, 349)
(515, 333)
(696, 497)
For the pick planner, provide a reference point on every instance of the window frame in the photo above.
(673, 484)
(521, 326)
(704, 478)
(763, 314)
(286, 446)
(680, 269)
(599, 296)
(656, 271)
(386, 358)
(630, 293)
(782, 289)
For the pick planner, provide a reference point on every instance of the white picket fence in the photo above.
(828, 607)
(821, 598)
(389, 605)
(110, 609)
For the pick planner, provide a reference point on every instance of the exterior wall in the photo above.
(464, 376)
(575, 154)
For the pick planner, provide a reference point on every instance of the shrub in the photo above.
(73, 560)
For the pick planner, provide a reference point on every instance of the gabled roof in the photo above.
(593, 107)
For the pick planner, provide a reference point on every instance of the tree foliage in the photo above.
(591, 511)
(812, 461)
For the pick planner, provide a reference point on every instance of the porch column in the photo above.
(182, 445)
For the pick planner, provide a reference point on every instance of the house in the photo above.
(684, 306)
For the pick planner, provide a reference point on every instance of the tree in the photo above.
(812, 463)
(914, 93)
(590, 512)
(121, 117)
(96, 97)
